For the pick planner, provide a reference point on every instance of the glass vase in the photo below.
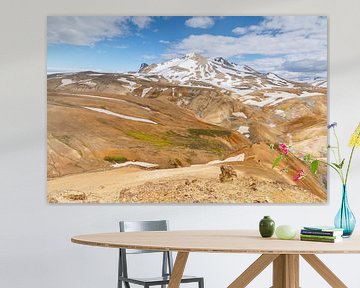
(345, 219)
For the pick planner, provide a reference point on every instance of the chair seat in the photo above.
(158, 280)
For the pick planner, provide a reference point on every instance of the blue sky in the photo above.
(294, 47)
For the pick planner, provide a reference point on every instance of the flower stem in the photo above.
(334, 154)
(348, 167)
(336, 169)
(337, 142)
(350, 159)
(340, 159)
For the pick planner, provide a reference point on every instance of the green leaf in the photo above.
(339, 166)
(307, 158)
(336, 165)
(272, 146)
(277, 161)
(314, 166)
(342, 163)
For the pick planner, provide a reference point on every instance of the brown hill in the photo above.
(79, 138)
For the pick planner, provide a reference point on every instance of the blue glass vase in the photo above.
(345, 219)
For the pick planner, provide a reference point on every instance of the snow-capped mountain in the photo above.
(196, 70)
(142, 67)
(181, 77)
(319, 82)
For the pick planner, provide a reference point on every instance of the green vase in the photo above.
(267, 227)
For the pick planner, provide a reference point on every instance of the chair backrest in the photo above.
(138, 226)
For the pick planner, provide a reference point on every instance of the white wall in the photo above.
(35, 248)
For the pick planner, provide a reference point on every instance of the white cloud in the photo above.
(305, 24)
(243, 30)
(305, 65)
(141, 21)
(200, 22)
(294, 46)
(265, 64)
(240, 30)
(217, 45)
(285, 43)
(301, 70)
(87, 30)
(164, 42)
(293, 35)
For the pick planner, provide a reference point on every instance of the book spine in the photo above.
(317, 239)
(319, 236)
(319, 233)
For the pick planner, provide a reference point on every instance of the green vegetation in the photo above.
(152, 139)
(115, 158)
(191, 139)
(194, 141)
(209, 132)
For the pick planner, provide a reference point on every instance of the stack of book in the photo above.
(321, 234)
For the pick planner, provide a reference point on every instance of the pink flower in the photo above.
(284, 149)
(300, 174)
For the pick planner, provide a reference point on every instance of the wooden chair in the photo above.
(167, 262)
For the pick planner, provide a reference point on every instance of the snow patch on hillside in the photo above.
(145, 91)
(270, 98)
(135, 163)
(65, 82)
(100, 110)
(244, 130)
(239, 114)
(88, 83)
(278, 80)
(106, 98)
(132, 85)
(309, 94)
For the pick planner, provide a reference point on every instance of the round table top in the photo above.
(219, 241)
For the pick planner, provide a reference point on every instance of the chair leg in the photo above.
(201, 283)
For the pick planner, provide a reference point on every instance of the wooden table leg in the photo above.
(253, 270)
(178, 269)
(324, 271)
(293, 264)
(286, 271)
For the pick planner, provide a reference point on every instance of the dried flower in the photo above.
(300, 174)
(284, 148)
(332, 125)
(355, 138)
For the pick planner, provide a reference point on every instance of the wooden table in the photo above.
(284, 254)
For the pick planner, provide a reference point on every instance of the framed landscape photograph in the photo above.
(201, 109)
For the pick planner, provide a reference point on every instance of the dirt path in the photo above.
(195, 184)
